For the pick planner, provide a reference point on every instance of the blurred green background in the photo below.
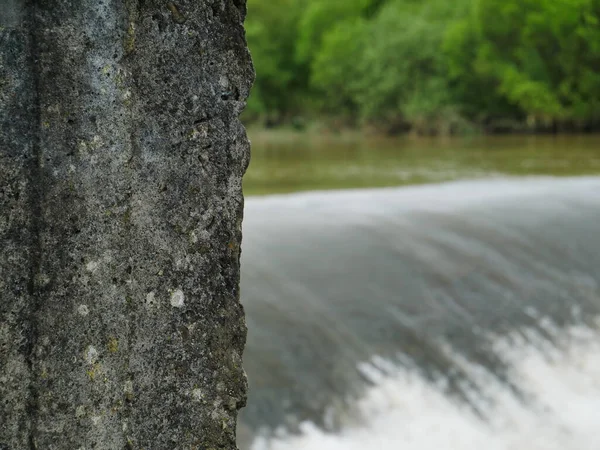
(431, 66)
(337, 78)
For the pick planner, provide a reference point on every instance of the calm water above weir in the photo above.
(454, 315)
(286, 162)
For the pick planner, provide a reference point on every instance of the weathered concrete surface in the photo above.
(121, 158)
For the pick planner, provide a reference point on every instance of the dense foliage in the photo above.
(428, 65)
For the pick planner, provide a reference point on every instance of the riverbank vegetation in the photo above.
(426, 66)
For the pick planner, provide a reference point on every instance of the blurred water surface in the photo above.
(455, 314)
(288, 162)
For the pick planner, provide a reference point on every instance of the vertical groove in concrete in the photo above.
(18, 118)
(121, 163)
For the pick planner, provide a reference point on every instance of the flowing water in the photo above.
(457, 315)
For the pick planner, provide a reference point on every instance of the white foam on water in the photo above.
(403, 411)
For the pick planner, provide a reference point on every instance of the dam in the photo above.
(454, 315)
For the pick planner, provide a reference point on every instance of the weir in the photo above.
(423, 317)
(121, 158)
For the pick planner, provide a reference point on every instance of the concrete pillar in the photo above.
(121, 159)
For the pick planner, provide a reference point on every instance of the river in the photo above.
(284, 162)
(459, 313)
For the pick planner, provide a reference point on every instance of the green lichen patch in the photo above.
(177, 16)
(92, 371)
(130, 39)
(112, 345)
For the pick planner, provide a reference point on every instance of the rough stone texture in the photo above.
(121, 159)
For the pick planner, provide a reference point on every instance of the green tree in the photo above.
(272, 33)
(390, 68)
(538, 59)
(321, 16)
(430, 65)
(336, 67)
